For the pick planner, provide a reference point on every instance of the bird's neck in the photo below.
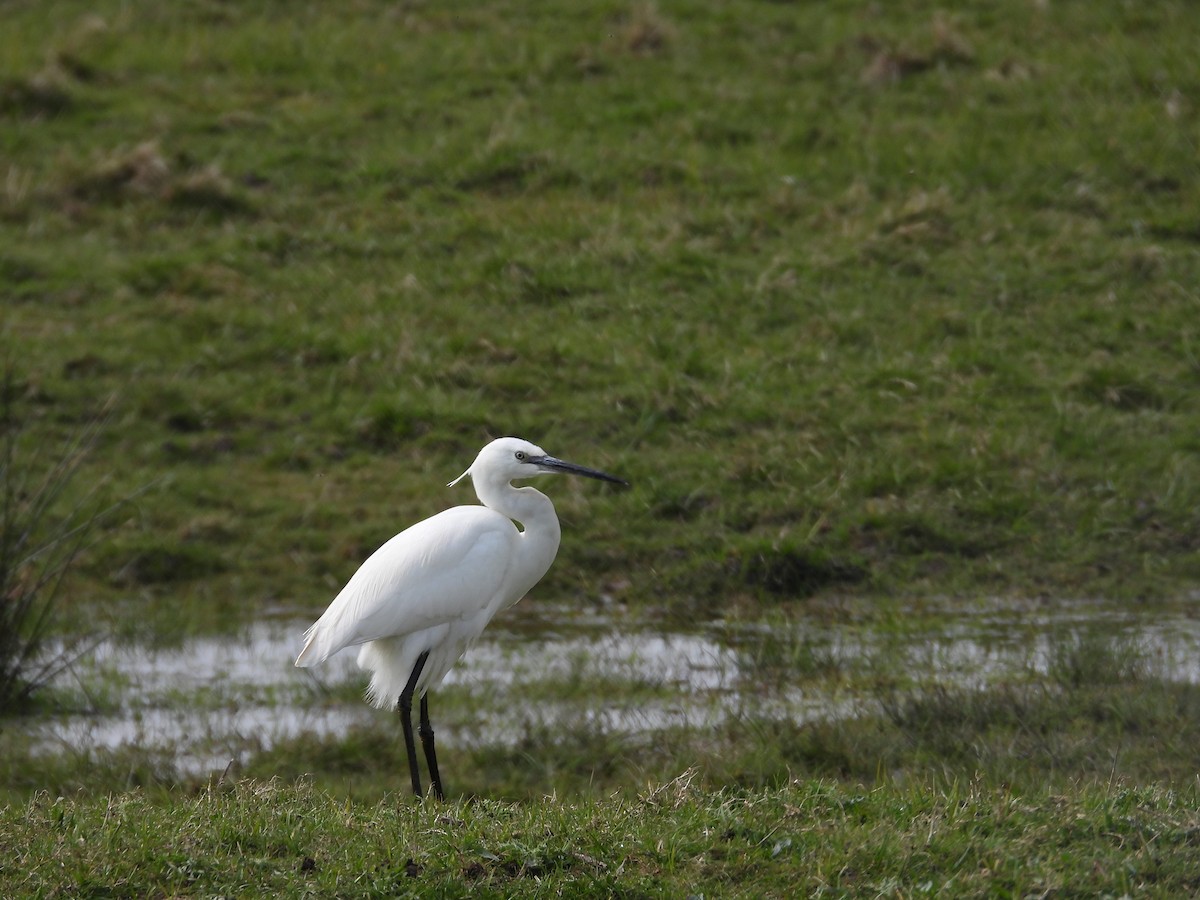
(540, 534)
(526, 505)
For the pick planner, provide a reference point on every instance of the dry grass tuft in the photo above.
(44, 93)
(142, 171)
(890, 65)
(208, 188)
(146, 172)
(646, 32)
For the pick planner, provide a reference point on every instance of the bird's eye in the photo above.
(520, 456)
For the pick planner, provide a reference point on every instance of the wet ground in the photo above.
(216, 699)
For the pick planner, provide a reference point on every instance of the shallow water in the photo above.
(219, 698)
(216, 699)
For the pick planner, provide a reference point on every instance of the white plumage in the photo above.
(434, 587)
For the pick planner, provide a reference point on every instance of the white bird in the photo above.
(426, 595)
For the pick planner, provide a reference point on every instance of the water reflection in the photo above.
(214, 699)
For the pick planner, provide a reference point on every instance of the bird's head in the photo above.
(510, 459)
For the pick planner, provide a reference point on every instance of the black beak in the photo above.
(550, 464)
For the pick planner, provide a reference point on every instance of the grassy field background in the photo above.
(860, 302)
(883, 310)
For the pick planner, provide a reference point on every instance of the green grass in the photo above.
(1081, 778)
(810, 838)
(871, 305)
(890, 304)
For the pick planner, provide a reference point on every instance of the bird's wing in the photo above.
(445, 568)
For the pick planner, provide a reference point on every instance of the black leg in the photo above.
(426, 729)
(404, 707)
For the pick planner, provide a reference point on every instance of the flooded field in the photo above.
(214, 700)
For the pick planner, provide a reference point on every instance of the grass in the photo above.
(881, 311)
(1077, 774)
(39, 542)
(670, 839)
(884, 305)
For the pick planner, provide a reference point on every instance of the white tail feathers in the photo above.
(311, 655)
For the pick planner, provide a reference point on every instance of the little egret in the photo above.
(425, 596)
